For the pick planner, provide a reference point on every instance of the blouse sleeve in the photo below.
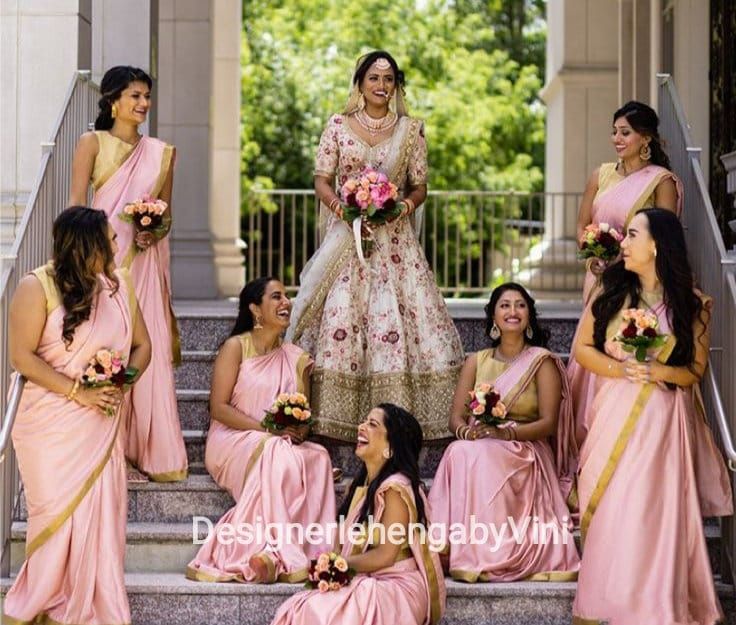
(417, 174)
(328, 150)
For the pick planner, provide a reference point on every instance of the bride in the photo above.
(377, 327)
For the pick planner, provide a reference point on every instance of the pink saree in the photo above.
(411, 591)
(153, 437)
(271, 479)
(489, 480)
(617, 201)
(75, 489)
(645, 559)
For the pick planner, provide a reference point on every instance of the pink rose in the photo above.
(479, 410)
(334, 586)
(341, 564)
(323, 585)
(104, 358)
(145, 221)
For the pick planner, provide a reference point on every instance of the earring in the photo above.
(386, 453)
(114, 111)
(257, 325)
(495, 332)
(645, 152)
(529, 333)
(655, 252)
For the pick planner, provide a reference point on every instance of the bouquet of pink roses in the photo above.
(638, 332)
(371, 197)
(330, 571)
(486, 405)
(107, 368)
(147, 215)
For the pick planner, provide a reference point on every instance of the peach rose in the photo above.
(341, 564)
(323, 585)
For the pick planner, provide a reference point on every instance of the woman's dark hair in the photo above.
(366, 61)
(405, 440)
(114, 82)
(252, 293)
(644, 120)
(80, 240)
(540, 335)
(673, 272)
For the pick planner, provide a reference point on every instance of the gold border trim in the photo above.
(166, 159)
(295, 577)
(198, 576)
(642, 199)
(254, 458)
(553, 576)
(170, 476)
(620, 445)
(579, 620)
(39, 619)
(46, 533)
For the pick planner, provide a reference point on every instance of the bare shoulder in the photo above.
(30, 292)
(89, 142)
(231, 349)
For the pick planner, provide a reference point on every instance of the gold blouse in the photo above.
(526, 407)
(112, 154)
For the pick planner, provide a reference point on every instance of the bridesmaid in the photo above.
(273, 479)
(123, 166)
(395, 583)
(642, 177)
(525, 471)
(60, 316)
(645, 559)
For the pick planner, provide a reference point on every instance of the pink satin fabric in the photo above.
(611, 205)
(402, 593)
(286, 483)
(492, 480)
(645, 558)
(76, 575)
(153, 437)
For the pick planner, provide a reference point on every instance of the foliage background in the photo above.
(473, 70)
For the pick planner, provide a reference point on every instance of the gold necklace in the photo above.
(376, 126)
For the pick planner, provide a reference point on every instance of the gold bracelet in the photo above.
(72, 394)
(410, 206)
(335, 202)
(457, 435)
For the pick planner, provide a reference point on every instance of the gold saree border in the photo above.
(301, 366)
(46, 533)
(257, 453)
(166, 159)
(619, 446)
(40, 619)
(198, 576)
(341, 400)
(642, 199)
(473, 577)
(579, 620)
(170, 476)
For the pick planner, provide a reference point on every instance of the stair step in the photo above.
(171, 599)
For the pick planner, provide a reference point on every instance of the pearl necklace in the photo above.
(376, 126)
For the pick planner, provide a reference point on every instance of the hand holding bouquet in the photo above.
(289, 410)
(638, 332)
(371, 197)
(600, 245)
(330, 571)
(486, 406)
(147, 215)
(107, 368)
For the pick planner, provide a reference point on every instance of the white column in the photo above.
(183, 119)
(224, 161)
(581, 94)
(42, 43)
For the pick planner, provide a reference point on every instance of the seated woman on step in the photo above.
(511, 471)
(274, 478)
(399, 580)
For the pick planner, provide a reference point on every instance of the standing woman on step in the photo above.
(274, 478)
(398, 577)
(641, 485)
(641, 178)
(377, 327)
(123, 167)
(68, 437)
(524, 470)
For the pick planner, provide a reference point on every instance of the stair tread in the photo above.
(176, 583)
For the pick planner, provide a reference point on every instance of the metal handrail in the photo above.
(31, 248)
(720, 414)
(15, 394)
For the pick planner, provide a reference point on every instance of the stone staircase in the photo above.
(160, 516)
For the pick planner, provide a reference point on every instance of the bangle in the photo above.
(465, 433)
(335, 202)
(457, 430)
(72, 394)
(512, 434)
(410, 206)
